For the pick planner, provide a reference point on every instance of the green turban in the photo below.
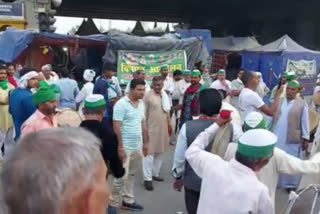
(294, 83)
(164, 67)
(222, 71)
(195, 73)
(186, 72)
(43, 94)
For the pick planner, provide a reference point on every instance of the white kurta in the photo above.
(168, 85)
(281, 162)
(86, 90)
(236, 85)
(182, 87)
(249, 101)
(281, 130)
(227, 187)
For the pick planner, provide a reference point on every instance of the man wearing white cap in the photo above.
(232, 187)
(49, 76)
(168, 86)
(281, 162)
(222, 83)
(87, 89)
(291, 125)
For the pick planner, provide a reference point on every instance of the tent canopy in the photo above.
(14, 41)
(232, 43)
(283, 44)
(194, 47)
(272, 60)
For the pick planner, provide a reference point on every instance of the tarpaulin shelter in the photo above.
(224, 46)
(272, 59)
(35, 49)
(203, 33)
(194, 47)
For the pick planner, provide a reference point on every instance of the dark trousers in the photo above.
(191, 199)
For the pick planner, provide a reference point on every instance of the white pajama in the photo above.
(151, 166)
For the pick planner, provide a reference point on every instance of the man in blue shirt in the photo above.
(68, 90)
(21, 105)
(108, 86)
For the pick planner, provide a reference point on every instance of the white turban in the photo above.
(89, 75)
(23, 81)
(47, 66)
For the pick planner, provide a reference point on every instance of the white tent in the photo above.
(285, 43)
(232, 43)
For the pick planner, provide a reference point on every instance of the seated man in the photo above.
(55, 171)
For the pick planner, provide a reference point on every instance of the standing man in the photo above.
(282, 82)
(68, 90)
(210, 105)
(237, 86)
(291, 125)
(157, 121)
(232, 187)
(177, 77)
(49, 76)
(184, 84)
(6, 119)
(87, 89)
(281, 162)
(130, 128)
(108, 86)
(140, 74)
(21, 105)
(168, 86)
(190, 104)
(222, 83)
(11, 70)
(44, 117)
(250, 101)
(94, 109)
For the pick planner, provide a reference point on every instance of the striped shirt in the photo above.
(131, 117)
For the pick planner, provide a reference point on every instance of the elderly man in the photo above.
(291, 125)
(55, 171)
(21, 105)
(281, 162)
(232, 187)
(49, 76)
(157, 121)
(44, 117)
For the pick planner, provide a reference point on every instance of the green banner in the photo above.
(150, 62)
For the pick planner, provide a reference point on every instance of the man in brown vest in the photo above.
(291, 125)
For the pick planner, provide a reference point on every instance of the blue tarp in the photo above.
(14, 41)
(204, 34)
(271, 60)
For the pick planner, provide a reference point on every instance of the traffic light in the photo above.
(46, 21)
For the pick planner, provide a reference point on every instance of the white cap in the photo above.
(257, 143)
(89, 75)
(254, 120)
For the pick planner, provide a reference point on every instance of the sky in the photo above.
(65, 24)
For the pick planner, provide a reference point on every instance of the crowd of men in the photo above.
(232, 149)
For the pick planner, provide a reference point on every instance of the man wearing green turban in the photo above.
(44, 117)
(291, 125)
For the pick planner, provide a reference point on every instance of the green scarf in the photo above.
(4, 84)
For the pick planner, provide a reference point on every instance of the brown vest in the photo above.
(294, 120)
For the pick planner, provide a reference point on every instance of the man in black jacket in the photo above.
(94, 110)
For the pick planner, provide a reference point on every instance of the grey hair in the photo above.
(48, 66)
(44, 165)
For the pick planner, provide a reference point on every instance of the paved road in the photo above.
(164, 200)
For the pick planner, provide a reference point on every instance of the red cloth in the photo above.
(12, 81)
